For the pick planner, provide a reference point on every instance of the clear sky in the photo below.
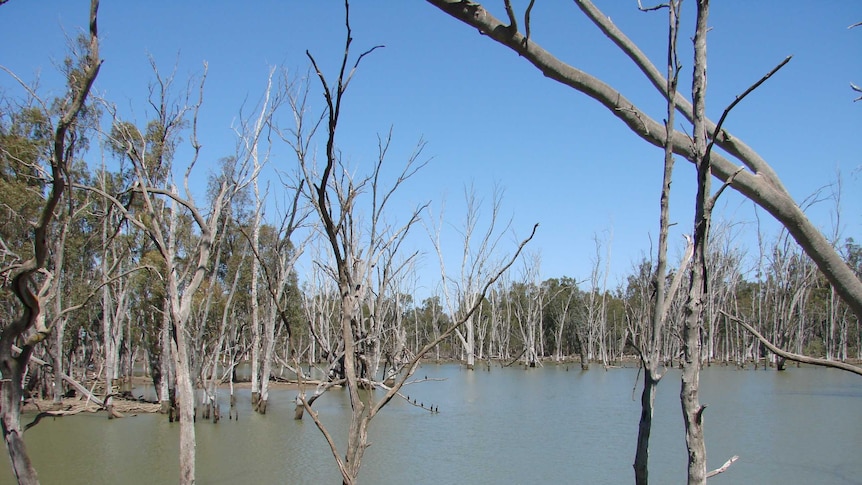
(491, 119)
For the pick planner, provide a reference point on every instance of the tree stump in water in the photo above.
(299, 410)
(233, 414)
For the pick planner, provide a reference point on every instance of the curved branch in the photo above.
(791, 356)
(761, 186)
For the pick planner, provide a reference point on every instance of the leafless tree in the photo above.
(529, 301)
(651, 346)
(355, 250)
(477, 265)
(692, 410)
(594, 335)
(754, 179)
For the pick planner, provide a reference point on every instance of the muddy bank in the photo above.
(126, 407)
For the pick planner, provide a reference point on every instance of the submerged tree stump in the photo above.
(299, 410)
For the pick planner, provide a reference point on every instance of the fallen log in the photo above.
(77, 385)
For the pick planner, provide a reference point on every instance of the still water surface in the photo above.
(549, 425)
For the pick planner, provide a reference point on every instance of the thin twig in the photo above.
(527, 22)
(739, 98)
(723, 468)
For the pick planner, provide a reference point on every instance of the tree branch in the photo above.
(722, 468)
(762, 186)
(804, 359)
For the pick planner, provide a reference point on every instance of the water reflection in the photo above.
(547, 425)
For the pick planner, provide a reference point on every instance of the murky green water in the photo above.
(547, 425)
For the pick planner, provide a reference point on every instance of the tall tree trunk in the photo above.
(268, 349)
(650, 384)
(693, 323)
(186, 398)
(651, 356)
(255, 316)
(60, 334)
(180, 308)
(11, 394)
(168, 376)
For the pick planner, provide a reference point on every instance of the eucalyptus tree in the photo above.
(73, 262)
(355, 250)
(26, 141)
(28, 328)
(461, 293)
(594, 311)
(151, 319)
(563, 297)
(755, 178)
(175, 224)
(319, 304)
(528, 298)
(274, 261)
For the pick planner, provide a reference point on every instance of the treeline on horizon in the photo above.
(104, 292)
(106, 297)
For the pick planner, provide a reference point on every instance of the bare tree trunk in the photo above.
(693, 324)
(168, 376)
(651, 356)
(255, 314)
(60, 334)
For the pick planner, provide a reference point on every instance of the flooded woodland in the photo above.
(278, 309)
(553, 424)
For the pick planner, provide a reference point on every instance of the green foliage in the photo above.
(25, 140)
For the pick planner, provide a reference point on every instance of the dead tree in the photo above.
(334, 195)
(754, 179)
(650, 350)
(476, 266)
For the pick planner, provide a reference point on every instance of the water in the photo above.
(548, 425)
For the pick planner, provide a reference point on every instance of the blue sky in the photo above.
(489, 118)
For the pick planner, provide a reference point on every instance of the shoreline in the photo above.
(130, 407)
